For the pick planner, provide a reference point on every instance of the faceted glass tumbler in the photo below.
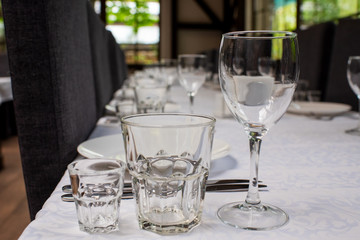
(168, 157)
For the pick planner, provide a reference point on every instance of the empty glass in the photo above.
(353, 76)
(97, 187)
(257, 103)
(124, 108)
(192, 69)
(150, 95)
(168, 157)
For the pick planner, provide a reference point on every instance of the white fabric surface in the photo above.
(311, 168)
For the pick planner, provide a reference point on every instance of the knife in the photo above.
(128, 194)
(67, 188)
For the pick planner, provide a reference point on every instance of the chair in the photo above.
(109, 66)
(119, 70)
(346, 43)
(59, 68)
(315, 44)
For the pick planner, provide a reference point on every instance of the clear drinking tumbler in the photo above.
(168, 157)
(97, 187)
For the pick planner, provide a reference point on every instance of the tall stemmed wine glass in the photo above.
(353, 76)
(192, 74)
(257, 103)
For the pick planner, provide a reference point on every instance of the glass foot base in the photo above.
(252, 217)
(164, 229)
(355, 131)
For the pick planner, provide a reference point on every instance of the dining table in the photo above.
(310, 165)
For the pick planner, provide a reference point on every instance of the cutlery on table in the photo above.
(67, 188)
(245, 182)
(223, 185)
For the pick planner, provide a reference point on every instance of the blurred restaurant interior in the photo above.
(87, 49)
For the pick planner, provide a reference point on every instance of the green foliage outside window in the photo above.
(122, 12)
(136, 14)
(285, 15)
(317, 11)
(311, 12)
(2, 32)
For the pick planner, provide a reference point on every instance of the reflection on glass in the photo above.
(353, 76)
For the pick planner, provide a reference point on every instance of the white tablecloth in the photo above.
(311, 167)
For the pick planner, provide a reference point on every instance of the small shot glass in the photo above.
(97, 187)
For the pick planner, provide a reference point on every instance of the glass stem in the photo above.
(253, 192)
(191, 103)
(168, 98)
(359, 114)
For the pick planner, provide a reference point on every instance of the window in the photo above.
(2, 32)
(311, 12)
(317, 11)
(135, 26)
(284, 15)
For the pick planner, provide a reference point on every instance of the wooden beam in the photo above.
(298, 14)
(103, 10)
(209, 12)
(228, 16)
(174, 28)
(240, 21)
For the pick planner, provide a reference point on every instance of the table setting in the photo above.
(183, 172)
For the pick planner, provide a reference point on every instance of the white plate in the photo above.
(112, 146)
(318, 108)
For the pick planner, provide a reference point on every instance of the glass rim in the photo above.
(210, 120)
(243, 34)
(72, 166)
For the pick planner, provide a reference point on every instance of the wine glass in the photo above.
(192, 74)
(257, 103)
(353, 76)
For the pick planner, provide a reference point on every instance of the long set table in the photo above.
(310, 165)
